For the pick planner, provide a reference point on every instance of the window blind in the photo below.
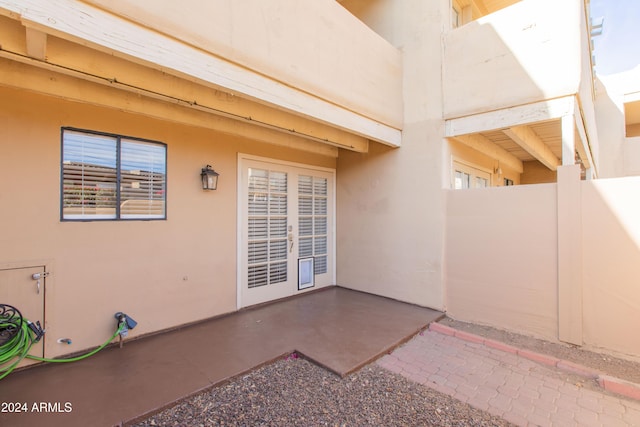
(111, 177)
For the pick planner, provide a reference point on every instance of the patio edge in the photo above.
(611, 384)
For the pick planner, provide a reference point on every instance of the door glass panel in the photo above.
(467, 176)
(462, 180)
(312, 220)
(305, 246)
(278, 272)
(267, 231)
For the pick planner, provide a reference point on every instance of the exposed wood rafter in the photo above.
(486, 146)
(36, 44)
(526, 138)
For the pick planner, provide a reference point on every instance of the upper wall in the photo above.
(528, 52)
(619, 153)
(317, 47)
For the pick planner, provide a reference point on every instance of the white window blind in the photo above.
(312, 220)
(112, 177)
(267, 231)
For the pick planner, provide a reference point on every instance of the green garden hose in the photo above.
(20, 337)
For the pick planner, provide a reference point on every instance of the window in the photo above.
(112, 177)
(313, 220)
(467, 176)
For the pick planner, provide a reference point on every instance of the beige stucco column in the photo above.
(569, 239)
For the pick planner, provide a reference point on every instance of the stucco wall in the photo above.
(617, 155)
(390, 205)
(632, 156)
(611, 262)
(501, 265)
(501, 258)
(163, 273)
(527, 52)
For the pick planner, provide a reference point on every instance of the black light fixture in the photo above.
(209, 178)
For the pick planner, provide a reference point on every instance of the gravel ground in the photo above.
(610, 365)
(296, 392)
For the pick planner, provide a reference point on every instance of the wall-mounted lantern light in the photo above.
(209, 178)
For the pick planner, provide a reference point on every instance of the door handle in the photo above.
(37, 277)
(290, 238)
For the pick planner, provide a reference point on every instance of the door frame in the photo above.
(241, 215)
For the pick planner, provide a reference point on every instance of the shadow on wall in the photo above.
(536, 55)
(610, 118)
(611, 264)
(502, 260)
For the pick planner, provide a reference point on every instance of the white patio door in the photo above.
(285, 230)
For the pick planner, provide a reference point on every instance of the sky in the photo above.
(617, 49)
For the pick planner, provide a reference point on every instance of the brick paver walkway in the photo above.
(517, 389)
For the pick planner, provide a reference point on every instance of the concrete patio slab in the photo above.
(337, 328)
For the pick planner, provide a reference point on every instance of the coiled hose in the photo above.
(17, 338)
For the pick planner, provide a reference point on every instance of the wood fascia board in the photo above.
(79, 22)
(584, 151)
(526, 138)
(21, 76)
(488, 147)
(583, 147)
(509, 117)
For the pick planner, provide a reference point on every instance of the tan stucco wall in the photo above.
(502, 261)
(618, 154)
(524, 53)
(632, 156)
(162, 273)
(390, 205)
(611, 260)
(501, 258)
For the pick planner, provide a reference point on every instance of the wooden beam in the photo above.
(508, 117)
(81, 62)
(84, 24)
(36, 44)
(18, 75)
(525, 137)
(488, 147)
